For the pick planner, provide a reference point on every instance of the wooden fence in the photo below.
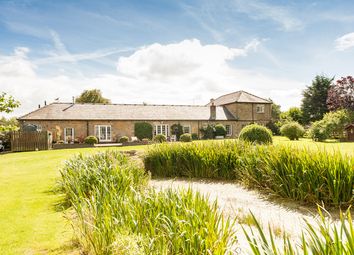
(31, 141)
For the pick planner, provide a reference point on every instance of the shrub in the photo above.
(292, 130)
(256, 134)
(220, 130)
(160, 139)
(208, 132)
(319, 131)
(124, 139)
(273, 127)
(91, 139)
(143, 130)
(177, 130)
(186, 138)
(195, 136)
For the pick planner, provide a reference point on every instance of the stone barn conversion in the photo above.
(109, 122)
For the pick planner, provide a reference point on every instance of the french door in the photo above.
(103, 133)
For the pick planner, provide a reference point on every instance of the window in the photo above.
(162, 129)
(228, 130)
(260, 108)
(69, 135)
(103, 133)
(187, 129)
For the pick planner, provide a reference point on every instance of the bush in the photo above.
(91, 139)
(273, 127)
(256, 134)
(195, 136)
(208, 132)
(186, 138)
(292, 130)
(143, 130)
(124, 139)
(160, 139)
(220, 130)
(319, 131)
(177, 130)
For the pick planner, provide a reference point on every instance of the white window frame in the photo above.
(260, 108)
(98, 132)
(189, 129)
(228, 132)
(72, 134)
(162, 129)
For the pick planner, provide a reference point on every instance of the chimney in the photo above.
(45, 102)
(212, 109)
(73, 100)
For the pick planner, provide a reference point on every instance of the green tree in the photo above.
(93, 96)
(314, 102)
(8, 103)
(293, 114)
(275, 111)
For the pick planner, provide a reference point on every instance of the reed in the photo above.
(326, 237)
(116, 213)
(300, 174)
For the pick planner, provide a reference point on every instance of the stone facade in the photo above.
(245, 113)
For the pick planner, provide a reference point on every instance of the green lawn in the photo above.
(29, 223)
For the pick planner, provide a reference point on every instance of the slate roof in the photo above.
(240, 97)
(69, 111)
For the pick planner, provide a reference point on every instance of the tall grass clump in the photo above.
(325, 237)
(216, 160)
(300, 174)
(116, 213)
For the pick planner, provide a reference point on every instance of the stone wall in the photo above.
(121, 128)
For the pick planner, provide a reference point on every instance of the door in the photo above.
(69, 135)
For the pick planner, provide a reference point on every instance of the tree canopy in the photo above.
(341, 94)
(314, 102)
(92, 96)
(8, 103)
(293, 114)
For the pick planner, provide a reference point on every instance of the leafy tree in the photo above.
(8, 103)
(332, 125)
(341, 94)
(10, 124)
(275, 111)
(293, 114)
(314, 100)
(92, 96)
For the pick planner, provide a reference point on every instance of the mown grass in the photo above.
(114, 209)
(29, 221)
(312, 176)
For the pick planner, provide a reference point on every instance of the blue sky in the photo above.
(181, 52)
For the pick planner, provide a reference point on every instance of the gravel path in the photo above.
(236, 201)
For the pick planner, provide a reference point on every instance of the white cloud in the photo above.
(17, 64)
(185, 58)
(187, 72)
(345, 42)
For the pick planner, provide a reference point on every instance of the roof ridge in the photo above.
(38, 109)
(189, 105)
(255, 95)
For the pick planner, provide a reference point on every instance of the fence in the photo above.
(31, 140)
